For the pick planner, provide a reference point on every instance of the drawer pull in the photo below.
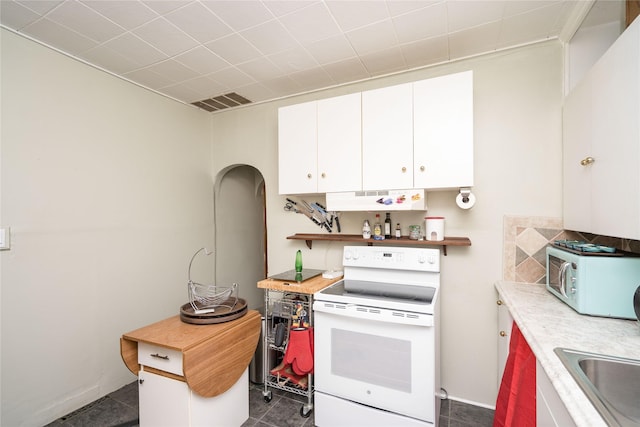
(159, 356)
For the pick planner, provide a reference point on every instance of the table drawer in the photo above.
(165, 359)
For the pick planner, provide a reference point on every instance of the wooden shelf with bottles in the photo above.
(402, 241)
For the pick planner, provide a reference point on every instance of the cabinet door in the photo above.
(387, 138)
(443, 131)
(576, 148)
(297, 149)
(162, 401)
(340, 144)
(615, 82)
(505, 321)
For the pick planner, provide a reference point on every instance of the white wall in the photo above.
(108, 192)
(518, 97)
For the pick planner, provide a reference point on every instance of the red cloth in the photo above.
(516, 403)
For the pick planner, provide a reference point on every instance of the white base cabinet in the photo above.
(169, 402)
(505, 322)
(550, 411)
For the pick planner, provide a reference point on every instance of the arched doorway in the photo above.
(240, 232)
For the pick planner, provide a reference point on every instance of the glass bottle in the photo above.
(366, 230)
(398, 231)
(299, 261)
(377, 229)
(387, 226)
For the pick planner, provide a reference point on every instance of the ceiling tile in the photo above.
(261, 69)
(199, 22)
(76, 16)
(126, 13)
(269, 38)
(202, 60)
(355, 14)
(240, 15)
(529, 26)
(59, 36)
(41, 7)
(256, 92)
(400, 7)
(173, 70)
(16, 16)
(478, 39)
(313, 79)
(375, 37)
(293, 60)
(422, 24)
(282, 7)
(331, 50)
(232, 77)
(165, 6)
(136, 50)
(109, 59)
(148, 78)
(205, 87)
(469, 13)
(428, 51)
(346, 71)
(311, 24)
(283, 86)
(165, 37)
(182, 92)
(234, 49)
(384, 61)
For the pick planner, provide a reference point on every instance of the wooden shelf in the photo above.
(403, 241)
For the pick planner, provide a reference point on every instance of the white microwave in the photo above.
(594, 284)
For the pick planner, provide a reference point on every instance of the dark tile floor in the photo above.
(120, 409)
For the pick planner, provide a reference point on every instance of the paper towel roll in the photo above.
(465, 201)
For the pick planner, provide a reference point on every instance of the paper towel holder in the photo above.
(465, 193)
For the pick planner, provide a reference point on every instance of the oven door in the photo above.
(561, 278)
(381, 364)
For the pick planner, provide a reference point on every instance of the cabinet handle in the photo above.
(503, 334)
(309, 175)
(404, 169)
(587, 161)
(159, 356)
(421, 168)
(499, 302)
(324, 175)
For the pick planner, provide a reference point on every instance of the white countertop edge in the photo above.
(547, 323)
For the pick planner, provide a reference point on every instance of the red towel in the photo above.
(516, 403)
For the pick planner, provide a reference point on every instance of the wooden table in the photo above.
(213, 356)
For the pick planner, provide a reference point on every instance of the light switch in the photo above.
(5, 238)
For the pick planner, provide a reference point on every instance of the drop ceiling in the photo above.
(256, 51)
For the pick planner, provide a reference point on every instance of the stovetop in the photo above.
(381, 295)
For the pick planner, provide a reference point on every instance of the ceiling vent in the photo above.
(228, 100)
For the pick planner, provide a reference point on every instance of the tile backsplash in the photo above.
(525, 240)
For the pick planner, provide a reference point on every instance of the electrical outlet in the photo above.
(5, 238)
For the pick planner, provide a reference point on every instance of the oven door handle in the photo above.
(371, 313)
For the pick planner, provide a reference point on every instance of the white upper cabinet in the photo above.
(602, 144)
(339, 144)
(443, 132)
(409, 136)
(387, 138)
(297, 149)
(319, 146)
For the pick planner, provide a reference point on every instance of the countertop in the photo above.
(213, 356)
(547, 323)
(310, 286)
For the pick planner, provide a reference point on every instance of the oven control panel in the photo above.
(397, 258)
